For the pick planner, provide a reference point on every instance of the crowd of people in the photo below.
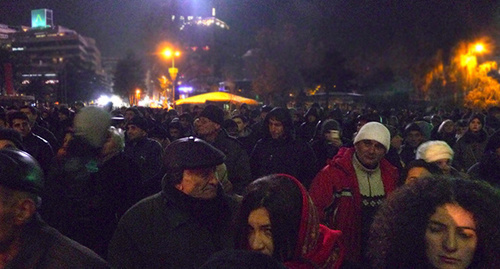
(266, 187)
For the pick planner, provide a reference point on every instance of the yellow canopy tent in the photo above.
(217, 97)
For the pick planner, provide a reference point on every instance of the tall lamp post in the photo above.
(168, 53)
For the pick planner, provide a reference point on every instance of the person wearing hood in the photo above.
(186, 222)
(277, 218)
(413, 137)
(280, 152)
(308, 128)
(328, 143)
(470, 147)
(488, 168)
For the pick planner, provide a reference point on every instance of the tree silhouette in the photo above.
(129, 76)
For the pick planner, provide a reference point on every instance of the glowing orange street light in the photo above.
(137, 96)
(479, 48)
(168, 53)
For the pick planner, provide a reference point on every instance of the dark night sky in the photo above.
(355, 26)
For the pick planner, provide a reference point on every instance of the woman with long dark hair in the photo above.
(277, 218)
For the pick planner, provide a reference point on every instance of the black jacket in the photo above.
(40, 149)
(237, 161)
(288, 156)
(44, 247)
(163, 231)
(147, 155)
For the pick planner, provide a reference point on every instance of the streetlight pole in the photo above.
(172, 71)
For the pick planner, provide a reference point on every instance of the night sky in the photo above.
(352, 26)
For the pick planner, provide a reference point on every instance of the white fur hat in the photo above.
(435, 150)
(92, 123)
(374, 131)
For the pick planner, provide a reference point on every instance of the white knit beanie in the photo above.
(92, 123)
(435, 150)
(374, 131)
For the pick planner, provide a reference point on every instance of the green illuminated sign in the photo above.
(41, 18)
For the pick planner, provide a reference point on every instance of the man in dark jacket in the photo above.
(37, 129)
(237, 161)
(146, 153)
(38, 147)
(25, 240)
(280, 152)
(185, 223)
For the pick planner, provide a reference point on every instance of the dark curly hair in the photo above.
(397, 235)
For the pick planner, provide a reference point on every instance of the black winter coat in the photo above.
(162, 231)
(44, 247)
(288, 156)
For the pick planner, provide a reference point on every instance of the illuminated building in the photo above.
(44, 51)
(205, 43)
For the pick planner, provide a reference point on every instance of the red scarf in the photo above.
(317, 245)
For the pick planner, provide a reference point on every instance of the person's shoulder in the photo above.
(67, 253)
(142, 212)
(40, 140)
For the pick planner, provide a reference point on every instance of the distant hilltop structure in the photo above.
(199, 21)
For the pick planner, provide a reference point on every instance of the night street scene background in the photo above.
(278, 52)
(300, 133)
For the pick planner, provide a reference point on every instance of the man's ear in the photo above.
(179, 186)
(24, 210)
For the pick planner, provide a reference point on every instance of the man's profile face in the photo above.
(7, 220)
(28, 113)
(21, 126)
(276, 128)
(369, 152)
(241, 125)
(199, 183)
(134, 132)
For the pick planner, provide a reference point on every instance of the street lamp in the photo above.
(137, 96)
(168, 53)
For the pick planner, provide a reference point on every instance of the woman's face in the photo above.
(450, 237)
(444, 165)
(449, 127)
(260, 237)
(416, 172)
(475, 125)
(397, 141)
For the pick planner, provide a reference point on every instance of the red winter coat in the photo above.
(335, 192)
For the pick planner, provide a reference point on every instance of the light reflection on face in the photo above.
(260, 236)
(199, 183)
(415, 173)
(451, 238)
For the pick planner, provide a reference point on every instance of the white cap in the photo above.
(374, 131)
(92, 123)
(435, 150)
